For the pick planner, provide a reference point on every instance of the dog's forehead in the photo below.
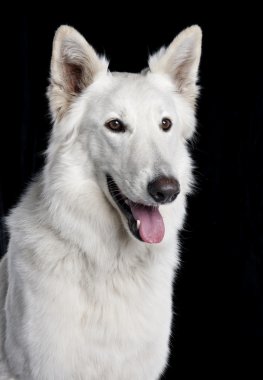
(142, 86)
(145, 79)
(126, 75)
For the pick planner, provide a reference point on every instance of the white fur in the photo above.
(85, 299)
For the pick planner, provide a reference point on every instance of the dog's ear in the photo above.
(180, 60)
(74, 66)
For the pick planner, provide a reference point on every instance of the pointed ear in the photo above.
(74, 66)
(181, 61)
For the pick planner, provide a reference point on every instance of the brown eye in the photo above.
(115, 125)
(166, 124)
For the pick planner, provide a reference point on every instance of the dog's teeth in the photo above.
(138, 223)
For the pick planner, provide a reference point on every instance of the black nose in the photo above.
(164, 189)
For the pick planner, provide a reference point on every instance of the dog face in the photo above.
(132, 127)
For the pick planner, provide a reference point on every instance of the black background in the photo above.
(219, 289)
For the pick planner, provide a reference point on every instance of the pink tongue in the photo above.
(152, 227)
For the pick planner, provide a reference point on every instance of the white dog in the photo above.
(86, 285)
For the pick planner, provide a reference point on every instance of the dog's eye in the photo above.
(166, 124)
(115, 125)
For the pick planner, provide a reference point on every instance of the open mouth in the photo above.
(145, 222)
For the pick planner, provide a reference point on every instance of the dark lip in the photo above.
(120, 199)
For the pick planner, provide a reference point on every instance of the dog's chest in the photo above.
(99, 324)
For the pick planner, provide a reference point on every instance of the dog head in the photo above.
(130, 128)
